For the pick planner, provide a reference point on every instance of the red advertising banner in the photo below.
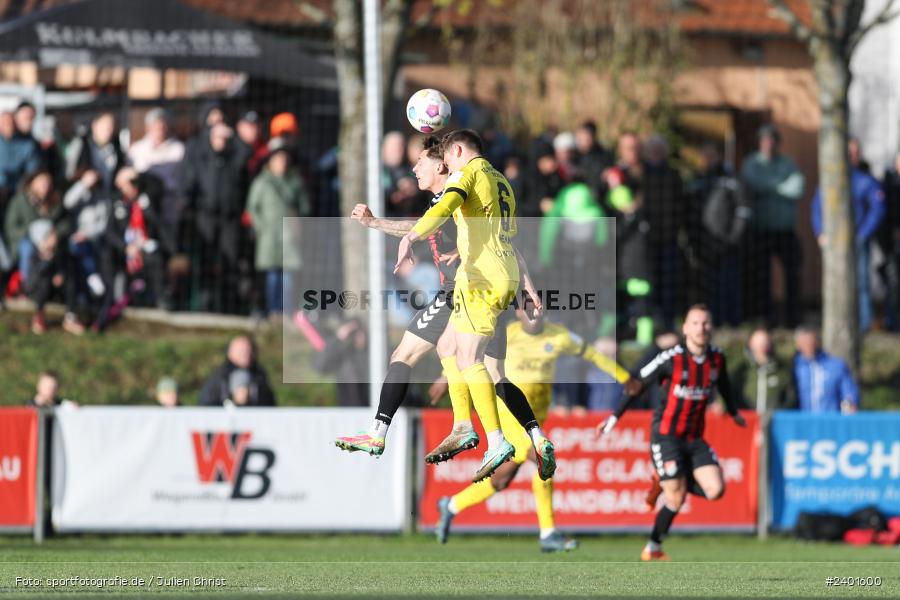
(600, 483)
(18, 466)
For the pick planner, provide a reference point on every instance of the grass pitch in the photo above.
(238, 566)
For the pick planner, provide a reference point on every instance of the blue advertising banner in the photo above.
(833, 463)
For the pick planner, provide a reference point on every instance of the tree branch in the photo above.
(801, 31)
(851, 16)
(314, 13)
(426, 19)
(885, 16)
(394, 17)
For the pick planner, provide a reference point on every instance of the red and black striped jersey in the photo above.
(443, 241)
(689, 383)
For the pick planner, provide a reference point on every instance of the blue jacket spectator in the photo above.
(19, 155)
(824, 382)
(868, 205)
(868, 212)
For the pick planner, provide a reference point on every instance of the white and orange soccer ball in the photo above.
(428, 111)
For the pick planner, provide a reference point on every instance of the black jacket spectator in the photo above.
(664, 202)
(150, 191)
(209, 115)
(241, 354)
(590, 167)
(544, 181)
(215, 390)
(213, 180)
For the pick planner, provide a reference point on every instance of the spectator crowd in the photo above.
(197, 224)
(186, 225)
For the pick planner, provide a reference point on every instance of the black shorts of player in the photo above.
(675, 457)
(496, 348)
(430, 322)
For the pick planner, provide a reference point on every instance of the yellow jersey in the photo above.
(531, 360)
(483, 206)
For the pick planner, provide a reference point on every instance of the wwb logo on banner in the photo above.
(225, 457)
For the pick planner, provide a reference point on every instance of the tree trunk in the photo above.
(395, 18)
(840, 333)
(351, 139)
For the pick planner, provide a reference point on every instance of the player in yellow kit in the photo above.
(534, 345)
(482, 204)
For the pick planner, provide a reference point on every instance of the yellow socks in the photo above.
(543, 501)
(459, 391)
(484, 396)
(472, 495)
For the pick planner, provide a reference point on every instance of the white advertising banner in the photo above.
(260, 469)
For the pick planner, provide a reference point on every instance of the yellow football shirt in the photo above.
(483, 205)
(531, 361)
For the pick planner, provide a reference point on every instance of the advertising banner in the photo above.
(181, 469)
(833, 463)
(18, 466)
(600, 483)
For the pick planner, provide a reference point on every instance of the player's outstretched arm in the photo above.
(659, 367)
(610, 422)
(396, 228)
(612, 368)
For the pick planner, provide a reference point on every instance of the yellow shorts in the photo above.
(476, 305)
(513, 431)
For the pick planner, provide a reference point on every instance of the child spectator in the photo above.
(90, 213)
(167, 392)
(238, 388)
(49, 276)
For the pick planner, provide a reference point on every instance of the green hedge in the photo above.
(123, 365)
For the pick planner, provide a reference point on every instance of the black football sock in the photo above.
(663, 522)
(393, 391)
(517, 404)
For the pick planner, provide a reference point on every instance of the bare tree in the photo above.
(348, 51)
(631, 50)
(832, 34)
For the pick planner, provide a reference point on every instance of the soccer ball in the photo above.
(428, 111)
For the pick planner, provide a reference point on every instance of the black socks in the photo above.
(517, 404)
(393, 391)
(664, 519)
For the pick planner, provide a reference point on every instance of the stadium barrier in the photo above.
(121, 469)
(149, 469)
(833, 463)
(600, 482)
(21, 452)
